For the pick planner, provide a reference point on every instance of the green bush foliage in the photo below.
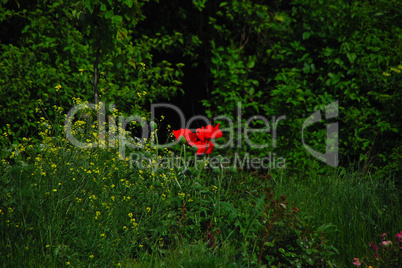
(282, 58)
(40, 63)
(293, 59)
(48, 57)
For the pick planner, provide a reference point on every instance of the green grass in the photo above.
(64, 206)
(361, 207)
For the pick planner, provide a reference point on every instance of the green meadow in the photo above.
(66, 206)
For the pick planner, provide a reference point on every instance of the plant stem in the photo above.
(96, 63)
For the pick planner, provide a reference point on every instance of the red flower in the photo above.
(187, 134)
(209, 132)
(203, 145)
(202, 140)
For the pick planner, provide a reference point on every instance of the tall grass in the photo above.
(65, 206)
(362, 207)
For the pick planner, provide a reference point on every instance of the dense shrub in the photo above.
(49, 55)
(293, 59)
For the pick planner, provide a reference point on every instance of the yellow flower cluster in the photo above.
(132, 220)
(141, 94)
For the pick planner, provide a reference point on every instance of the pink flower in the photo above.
(356, 262)
(399, 236)
(383, 236)
(374, 246)
(385, 243)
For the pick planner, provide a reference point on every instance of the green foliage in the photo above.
(291, 240)
(61, 205)
(49, 60)
(103, 21)
(70, 204)
(294, 59)
(41, 69)
(387, 254)
(345, 54)
(275, 59)
(360, 206)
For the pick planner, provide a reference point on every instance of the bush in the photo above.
(293, 59)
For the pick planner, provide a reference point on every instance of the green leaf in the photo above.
(338, 61)
(89, 6)
(351, 57)
(269, 244)
(310, 261)
(81, 16)
(103, 7)
(117, 19)
(109, 14)
(306, 35)
(129, 3)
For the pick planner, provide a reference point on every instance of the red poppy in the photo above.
(187, 134)
(203, 145)
(202, 140)
(209, 132)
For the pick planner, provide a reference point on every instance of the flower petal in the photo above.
(186, 133)
(203, 146)
(209, 132)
